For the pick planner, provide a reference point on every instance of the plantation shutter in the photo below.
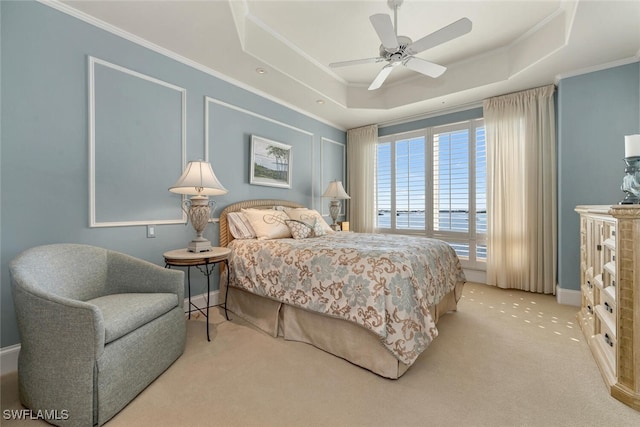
(383, 185)
(451, 181)
(410, 183)
(481, 194)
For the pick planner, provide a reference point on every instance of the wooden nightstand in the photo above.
(208, 260)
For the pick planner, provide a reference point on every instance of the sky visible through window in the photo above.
(451, 166)
(408, 168)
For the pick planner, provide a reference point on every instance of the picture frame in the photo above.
(270, 163)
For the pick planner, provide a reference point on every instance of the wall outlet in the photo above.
(151, 231)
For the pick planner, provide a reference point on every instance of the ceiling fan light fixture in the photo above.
(396, 50)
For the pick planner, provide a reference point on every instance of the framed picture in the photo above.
(270, 163)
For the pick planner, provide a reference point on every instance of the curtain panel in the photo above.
(521, 190)
(361, 172)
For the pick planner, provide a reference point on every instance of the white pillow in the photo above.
(309, 216)
(268, 223)
(239, 226)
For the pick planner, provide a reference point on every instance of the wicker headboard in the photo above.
(225, 234)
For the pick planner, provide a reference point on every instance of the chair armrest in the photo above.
(76, 325)
(61, 340)
(127, 274)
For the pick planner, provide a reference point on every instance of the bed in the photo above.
(372, 299)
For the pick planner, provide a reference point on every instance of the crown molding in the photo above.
(98, 23)
(595, 68)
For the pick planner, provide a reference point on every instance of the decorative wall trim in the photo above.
(64, 8)
(324, 141)
(92, 62)
(207, 130)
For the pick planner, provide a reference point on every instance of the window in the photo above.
(433, 182)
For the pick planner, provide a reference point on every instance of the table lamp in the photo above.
(335, 191)
(198, 181)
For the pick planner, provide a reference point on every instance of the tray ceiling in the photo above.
(513, 45)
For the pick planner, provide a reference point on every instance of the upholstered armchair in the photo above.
(96, 328)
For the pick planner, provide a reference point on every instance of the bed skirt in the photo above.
(336, 336)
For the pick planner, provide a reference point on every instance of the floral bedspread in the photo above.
(385, 283)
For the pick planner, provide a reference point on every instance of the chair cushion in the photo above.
(123, 313)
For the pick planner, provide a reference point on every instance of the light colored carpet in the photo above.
(506, 358)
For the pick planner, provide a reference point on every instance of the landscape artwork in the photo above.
(270, 163)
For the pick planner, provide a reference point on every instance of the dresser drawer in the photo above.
(587, 316)
(608, 301)
(608, 343)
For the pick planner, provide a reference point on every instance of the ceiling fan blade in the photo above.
(384, 27)
(450, 32)
(424, 67)
(356, 62)
(381, 77)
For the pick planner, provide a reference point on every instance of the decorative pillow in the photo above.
(299, 229)
(302, 230)
(268, 223)
(309, 216)
(239, 226)
(318, 229)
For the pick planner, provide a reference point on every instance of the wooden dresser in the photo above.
(610, 287)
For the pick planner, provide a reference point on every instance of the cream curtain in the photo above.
(521, 190)
(361, 167)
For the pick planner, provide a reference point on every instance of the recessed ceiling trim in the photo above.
(543, 41)
(239, 10)
(252, 19)
(271, 48)
(488, 69)
(541, 25)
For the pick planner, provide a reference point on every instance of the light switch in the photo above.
(151, 231)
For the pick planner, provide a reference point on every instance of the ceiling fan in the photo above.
(400, 50)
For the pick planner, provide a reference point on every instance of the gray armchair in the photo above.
(96, 328)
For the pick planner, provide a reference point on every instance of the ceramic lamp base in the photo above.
(334, 211)
(631, 181)
(199, 211)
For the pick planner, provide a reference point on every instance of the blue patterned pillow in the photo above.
(302, 230)
(299, 229)
(318, 229)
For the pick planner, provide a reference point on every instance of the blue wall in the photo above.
(44, 163)
(595, 112)
(45, 166)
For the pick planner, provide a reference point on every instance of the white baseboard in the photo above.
(201, 301)
(476, 276)
(9, 359)
(9, 355)
(568, 297)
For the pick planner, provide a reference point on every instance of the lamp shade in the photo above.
(198, 179)
(335, 191)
